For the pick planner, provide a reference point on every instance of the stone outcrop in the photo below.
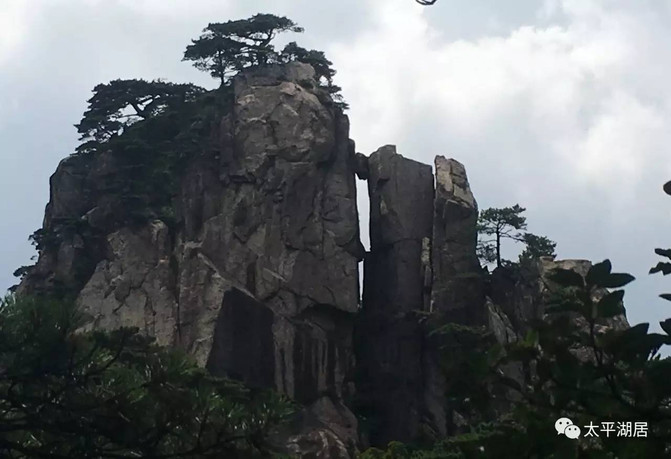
(254, 270)
(134, 286)
(259, 279)
(457, 290)
(68, 255)
(422, 263)
(520, 296)
(389, 337)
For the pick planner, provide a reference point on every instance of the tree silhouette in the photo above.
(226, 48)
(67, 393)
(118, 104)
(536, 247)
(503, 223)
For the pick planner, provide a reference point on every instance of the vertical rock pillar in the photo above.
(388, 337)
(457, 293)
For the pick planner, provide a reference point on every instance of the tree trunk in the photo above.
(498, 249)
(221, 69)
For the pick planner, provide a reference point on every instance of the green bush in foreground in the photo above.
(116, 395)
(577, 368)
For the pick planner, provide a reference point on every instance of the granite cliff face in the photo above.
(257, 275)
(259, 278)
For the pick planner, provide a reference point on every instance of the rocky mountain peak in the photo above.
(251, 262)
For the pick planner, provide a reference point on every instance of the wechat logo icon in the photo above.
(564, 426)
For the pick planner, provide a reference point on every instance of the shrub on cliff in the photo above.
(116, 395)
(116, 105)
(323, 68)
(508, 223)
(151, 127)
(579, 367)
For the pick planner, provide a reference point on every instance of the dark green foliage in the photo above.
(226, 48)
(504, 223)
(323, 68)
(116, 395)
(469, 353)
(22, 271)
(119, 103)
(44, 239)
(167, 124)
(509, 223)
(60, 229)
(536, 247)
(581, 370)
(663, 267)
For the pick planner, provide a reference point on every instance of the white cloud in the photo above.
(618, 140)
(571, 85)
(566, 116)
(13, 17)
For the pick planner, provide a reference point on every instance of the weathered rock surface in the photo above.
(401, 208)
(457, 290)
(519, 297)
(134, 286)
(256, 271)
(259, 281)
(68, 257)
(389, 337)
(522, 295)
(268, 286)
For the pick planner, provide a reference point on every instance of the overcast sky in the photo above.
(563, 106)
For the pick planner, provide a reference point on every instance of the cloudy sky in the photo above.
(563, 106)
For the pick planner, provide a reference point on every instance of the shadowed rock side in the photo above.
(79, 216)
(457, 293)
(422, 263)
(389, 337)
(517, 298)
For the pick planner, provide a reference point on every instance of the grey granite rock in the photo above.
(457, 290)
(259, 278)
(256, 275)
(389, 337)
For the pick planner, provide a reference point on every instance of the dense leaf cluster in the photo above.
(224, 49)
(119, 103)
(66, 394)
(577, 365)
